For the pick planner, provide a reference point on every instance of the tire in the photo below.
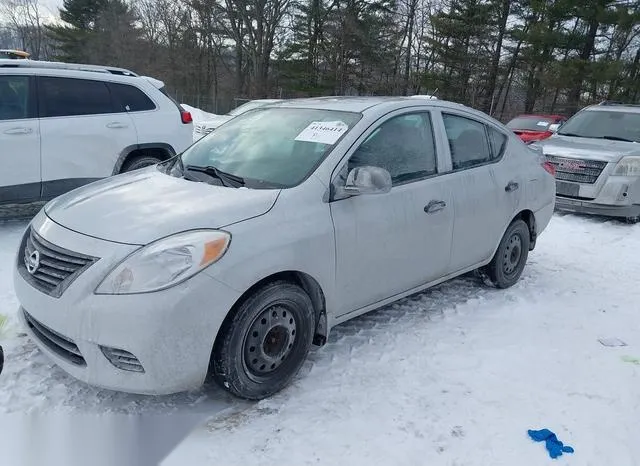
(507, 264)
(632, 220)
(264, 343)
(137, 163)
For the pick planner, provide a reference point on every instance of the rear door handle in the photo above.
(19, 131)
(434, 206)
(116, 125)
(512, 186)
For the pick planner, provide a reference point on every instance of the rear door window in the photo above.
(130, 98)
(468, 142)
(14, 97)
(71, 97)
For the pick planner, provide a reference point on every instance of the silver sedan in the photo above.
(230, 260)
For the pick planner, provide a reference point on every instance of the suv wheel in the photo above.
(137, 163)
(265, 342)
(632, 220)
(507, 265)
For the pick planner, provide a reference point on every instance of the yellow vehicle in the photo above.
(14, 54)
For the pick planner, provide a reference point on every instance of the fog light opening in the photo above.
(122, 359)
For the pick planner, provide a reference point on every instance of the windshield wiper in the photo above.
(574, 135)
(615, 138)
(227, 179)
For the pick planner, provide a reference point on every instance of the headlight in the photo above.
(628, 166)
(166, 262)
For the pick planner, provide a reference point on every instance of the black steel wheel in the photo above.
(509, 261)
(263, 344)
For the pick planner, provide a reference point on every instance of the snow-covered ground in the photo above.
(453, 376)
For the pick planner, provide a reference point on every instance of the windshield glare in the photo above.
(530, 124)
(602, 124)
(272, 147)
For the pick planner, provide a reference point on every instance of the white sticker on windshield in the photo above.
(543, 123)
(324, 132)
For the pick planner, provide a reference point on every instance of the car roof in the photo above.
(362, 104)
(613, 108)
(540, 115)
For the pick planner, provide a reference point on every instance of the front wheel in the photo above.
(263, 345)
(137, 163)
(507, 265)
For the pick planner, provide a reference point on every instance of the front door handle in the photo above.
(19, 131)
(512, 186)
(116, 125)
(434, 206)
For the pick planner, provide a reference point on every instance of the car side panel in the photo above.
(295, 235)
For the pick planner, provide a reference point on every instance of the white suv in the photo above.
(65, 125)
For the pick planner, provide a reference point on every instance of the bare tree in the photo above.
(25, 18)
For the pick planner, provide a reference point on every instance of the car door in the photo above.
(19, 140)
(485, 190)
(83, 132)
(387, 244)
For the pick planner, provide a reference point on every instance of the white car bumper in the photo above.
(169, 334)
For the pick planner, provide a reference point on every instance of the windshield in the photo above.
(246, 107)
(604, 124)
(530, 124)
(271, 147)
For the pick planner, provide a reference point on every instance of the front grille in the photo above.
(59, 344)
(49, 268)
(577, 170)
(122, 359)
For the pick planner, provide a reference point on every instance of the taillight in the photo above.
(550, 168)
(186, 117)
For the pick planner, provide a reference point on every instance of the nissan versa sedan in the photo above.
(229, 261)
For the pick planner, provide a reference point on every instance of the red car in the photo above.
(532, 128)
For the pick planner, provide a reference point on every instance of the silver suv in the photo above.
(597, 158)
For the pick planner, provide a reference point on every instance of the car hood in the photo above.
(585, 148)
(145, 205)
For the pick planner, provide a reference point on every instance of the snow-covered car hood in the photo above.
(585, 148)
(142, 206)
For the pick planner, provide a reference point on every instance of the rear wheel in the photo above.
(632, 220)
(507, 265)
(266, 341)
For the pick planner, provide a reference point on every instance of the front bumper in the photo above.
(170, 333)
(589, 207)
(611, 196)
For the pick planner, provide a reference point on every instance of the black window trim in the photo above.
(32, 96)
(40, 96)
(485, 125)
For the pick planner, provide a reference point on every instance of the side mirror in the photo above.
(554, 128)
(368, 180)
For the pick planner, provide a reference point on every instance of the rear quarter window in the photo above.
(130, 98)
(498, 142)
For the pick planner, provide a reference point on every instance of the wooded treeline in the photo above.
(501, 56)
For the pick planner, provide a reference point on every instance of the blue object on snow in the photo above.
(554, 446)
